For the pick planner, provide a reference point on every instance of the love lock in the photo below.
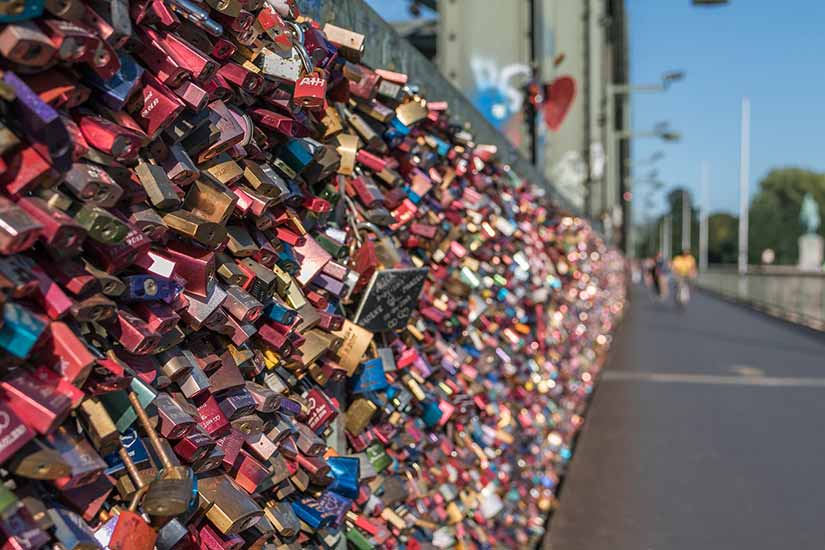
(129, 531)
(171, 493)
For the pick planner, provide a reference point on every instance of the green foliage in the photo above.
(723, 231)
(774, 215)
(774, 220)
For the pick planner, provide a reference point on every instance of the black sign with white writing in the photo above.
(390, 298)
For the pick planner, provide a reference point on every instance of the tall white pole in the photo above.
(662, 238)
(703, 220)
(744, 165)
(668, 236)
(685, 221)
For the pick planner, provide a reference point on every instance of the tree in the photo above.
(723, 231)
(774, 214)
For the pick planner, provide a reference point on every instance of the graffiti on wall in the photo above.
(499, 95)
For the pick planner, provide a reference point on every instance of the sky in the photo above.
(771, 51)
(767, 50)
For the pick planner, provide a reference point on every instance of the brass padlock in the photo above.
(227, 506)
(37, 460)
(171, 493)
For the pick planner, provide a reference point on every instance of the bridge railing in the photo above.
(782, 291)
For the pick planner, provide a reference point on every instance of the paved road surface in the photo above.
(705, 433)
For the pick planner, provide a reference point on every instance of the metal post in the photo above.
(703, 220)
(668, 237)
(744, 165)
(686, 221)
(662, 238)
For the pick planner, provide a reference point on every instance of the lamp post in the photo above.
(662, 131)
(686, 221)
(744, 175)
(612, 194)
(703, 220)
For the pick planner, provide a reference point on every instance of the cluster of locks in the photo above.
(256, 294)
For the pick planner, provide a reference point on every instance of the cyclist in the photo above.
(683, 267)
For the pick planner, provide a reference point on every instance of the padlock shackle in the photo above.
(130, 467)
(137, 497)
(150, 431)
(298, 44)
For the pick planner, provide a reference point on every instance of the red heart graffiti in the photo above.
(560, 95)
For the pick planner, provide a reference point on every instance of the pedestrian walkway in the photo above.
(705, 432)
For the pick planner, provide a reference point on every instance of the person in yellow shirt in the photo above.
(683, 267)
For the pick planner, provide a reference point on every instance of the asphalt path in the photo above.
(705, 432)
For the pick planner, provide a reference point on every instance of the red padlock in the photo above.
(310, 91)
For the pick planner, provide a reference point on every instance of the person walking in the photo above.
(660, 277)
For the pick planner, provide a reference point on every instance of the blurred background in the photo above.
(626, 105)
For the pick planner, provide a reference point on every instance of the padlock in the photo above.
(36, 460)
(350, 44)
(190, 225)
(20, 530)
(160, 189)
(38, 405)
(228, 507)
(92, 185)
(130, 530)
(20, 10)
(98, 425)
(195, 445)
(14, 434)
(40, 124)
(58, 231)
(120, 143)
(310, 91)
(25, 44)
(210, 200)
(171, 493)
(86, 465)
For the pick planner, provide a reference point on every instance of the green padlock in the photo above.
(378, 457)
(357, 539)
(118, 406)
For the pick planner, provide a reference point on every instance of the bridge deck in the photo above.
(705, 432)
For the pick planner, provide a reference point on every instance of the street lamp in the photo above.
(668, 78)
(662, 131)
(613, 177)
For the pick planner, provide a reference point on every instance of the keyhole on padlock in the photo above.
(33, 51)
(102, 58)
(150, 287)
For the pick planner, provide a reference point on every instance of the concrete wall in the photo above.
(484, 50)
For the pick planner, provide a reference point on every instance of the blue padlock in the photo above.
(287, 261)
(147, 288)
(309, 511)
(296, 155)
(370, 378)
(399, 126)
(346, 471)
(20, 331)
(20, 10)
(432, 413)
(134, 446)
(279, 313)
(116, 92)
